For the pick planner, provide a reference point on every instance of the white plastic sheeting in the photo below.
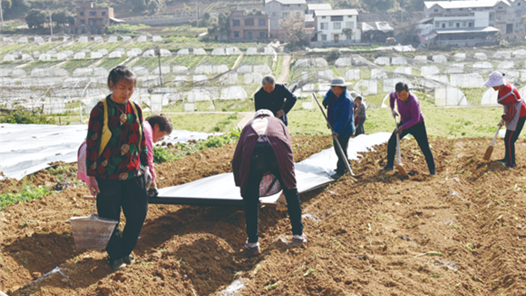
(450, 96)
(218, 51)
(268, 50)
(96, 55)
(459, 57)
(233, 93)
(232, 51)
(502, 55)
(115, 55)
(157, 39)
(484, 67)
(480, 56)
(441, 59)
(311, 173)
(183, 51)
(29, 148)
(506, 65)
(343, 62)
(489, 97)
(113, 39)
(520, 54)
(420, 59)
(263, 69)
(9, 58)
(22, 40)
(429, 70)
(141, 39)
(126, 38)
(180, 69)
(389, 84)
(398, 61)
(378, 73)
(454, 69)
(149, 53)
(199, 51)
(253, 78)
(79, 56)
(252, 51)
(367, 86)
(352, 74)
(382, 61)
(404, 70)
(315, 62)
(470, 80)
(83, 39)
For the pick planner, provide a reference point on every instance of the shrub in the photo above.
(28, 193)
(161, 155)
(22, 116)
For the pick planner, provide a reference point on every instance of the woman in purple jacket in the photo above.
(411, 122)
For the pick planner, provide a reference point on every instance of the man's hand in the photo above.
(394, 112)
(399, 130)
(326, 104)
(335, 134)
(93, 186)
(502, 122)
(279, 113)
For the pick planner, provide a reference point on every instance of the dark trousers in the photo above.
(263, 160)
(132, 197)
(359, 130)
(510, 139)
(419, 132)
(340, 165)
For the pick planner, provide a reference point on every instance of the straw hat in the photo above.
(495, 79)
(339, 81)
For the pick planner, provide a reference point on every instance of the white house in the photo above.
(330, 24)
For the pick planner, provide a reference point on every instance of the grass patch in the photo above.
(74, 64)
(201, 122)
(257, 60)
(229, 61)
(187, 61)
(151, 62)
(77, 47)
(278, 67)
(110, 63)
(11, 47)
(25, 194)
(108, 46)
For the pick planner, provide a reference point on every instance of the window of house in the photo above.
(236, 34)
(336, 18)
(299, 5)
(249, 22)
(262, 22)
(450, 24)
(324, 26)
(263, 34)
(274, 14)
(83, 22)
(460, 9)
(458, 25)
(463, 24)
(436, 10)
(285, 14)
(287, 5)
(323, 37)
(236, 23)
(443, 25)
(103, 13)
(519, 4)
(92, 13)
(437, 24)
(298, 14)
(349, 24)
(448, 10)
(500, 7)
(93, 22)
(81, 13)
(336, 25)
(470, 24)
(323, 17)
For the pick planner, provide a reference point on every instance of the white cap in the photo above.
(495, 79)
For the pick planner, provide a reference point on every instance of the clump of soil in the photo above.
(461, 232)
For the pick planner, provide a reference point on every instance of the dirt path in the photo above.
(283, 77)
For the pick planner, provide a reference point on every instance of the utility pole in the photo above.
(196, 13)
(50, 23)
(1, 14)
(158, 54)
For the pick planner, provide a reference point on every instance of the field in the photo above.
(460, 233)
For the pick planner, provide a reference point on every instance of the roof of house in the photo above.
(322, 6)
(465, 4)
(335, 12)
(309, 18)
(287, 1)
(375, 17)
(469, 30)
(376, 26)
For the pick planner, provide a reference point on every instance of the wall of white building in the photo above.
(328, 30)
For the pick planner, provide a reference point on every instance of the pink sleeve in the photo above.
(148, 135)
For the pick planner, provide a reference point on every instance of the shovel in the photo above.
(399, 166)
(349, 169)
(489, 151)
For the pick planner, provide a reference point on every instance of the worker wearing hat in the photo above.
(514, 113)
(340, 115)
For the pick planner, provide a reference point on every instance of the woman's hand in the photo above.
(93, 186)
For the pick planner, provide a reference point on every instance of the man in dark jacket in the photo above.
(263, 165)
(340, 107)
(272, 97)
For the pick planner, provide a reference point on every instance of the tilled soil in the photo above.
(459, 233)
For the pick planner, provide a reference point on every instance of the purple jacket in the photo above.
(409, 111)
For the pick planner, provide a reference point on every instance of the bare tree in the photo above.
(295, 29)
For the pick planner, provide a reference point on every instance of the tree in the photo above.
(380, 5)
(6, 5)
(523, 20)
(295, 31)
(61, 17)
(35, 18)
(348, 33)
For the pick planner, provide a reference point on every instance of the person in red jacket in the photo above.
(514, 113)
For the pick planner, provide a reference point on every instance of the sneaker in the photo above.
(503, 160)
(336, 176)
(298, 240)
(128, 259)
(117, 264)
(388, 168)
(252, 248)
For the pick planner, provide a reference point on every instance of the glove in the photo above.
(394, 112)
(148, 176)
(325, 104)
(153, 192)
